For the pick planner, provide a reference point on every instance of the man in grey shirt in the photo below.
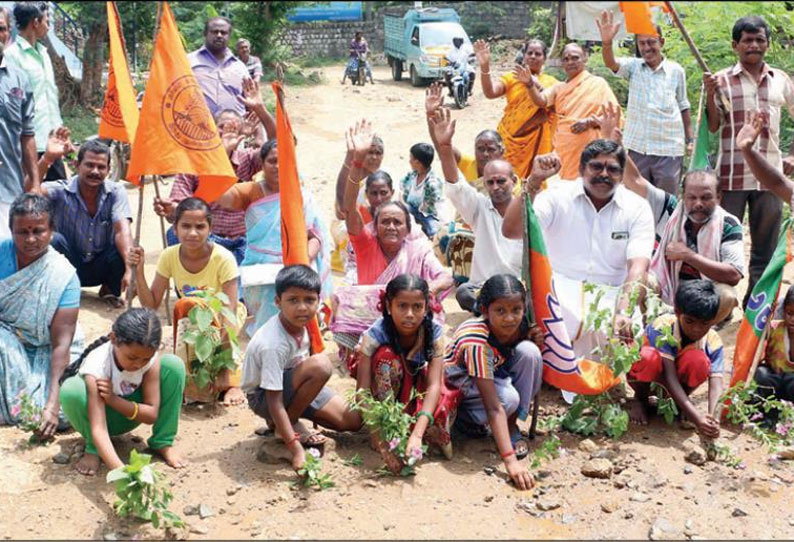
(17, 134)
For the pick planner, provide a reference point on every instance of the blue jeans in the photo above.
(236, 246)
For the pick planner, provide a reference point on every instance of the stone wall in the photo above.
(505, 19)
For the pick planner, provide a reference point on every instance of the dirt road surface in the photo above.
(466, 497)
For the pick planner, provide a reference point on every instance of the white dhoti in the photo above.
(575, 303)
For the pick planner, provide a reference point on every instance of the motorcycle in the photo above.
(459, 82)
(357, 70)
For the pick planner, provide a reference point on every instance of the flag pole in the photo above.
(726, 104)
(157, 180)
(525, 264)
(131, 285)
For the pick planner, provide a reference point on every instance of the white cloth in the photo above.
(585, 244)
(271, 352)
(580, 20)
(100, 364)
(5, 231)
(461, 57)
(493, 252)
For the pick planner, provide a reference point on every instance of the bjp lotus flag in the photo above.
(119, 117)
(294, 243)
(760, 307)
(561, 368)
(176, 133)
(639, 18)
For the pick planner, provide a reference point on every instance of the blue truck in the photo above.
(419, 42)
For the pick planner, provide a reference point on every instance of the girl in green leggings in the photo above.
(118, 383)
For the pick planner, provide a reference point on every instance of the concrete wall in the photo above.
(506, 19)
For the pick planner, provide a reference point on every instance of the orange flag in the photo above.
(176, 133)
(119, 117)
(639, 18)
(294, 243)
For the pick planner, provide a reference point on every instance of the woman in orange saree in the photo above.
(526, 129)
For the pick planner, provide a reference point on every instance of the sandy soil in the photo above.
(461, 498)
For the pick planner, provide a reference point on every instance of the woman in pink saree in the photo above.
(384, 249)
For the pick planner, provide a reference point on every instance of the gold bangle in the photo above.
(351, 181)
(134, 412)
(485, 73)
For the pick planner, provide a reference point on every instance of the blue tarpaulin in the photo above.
(328, 11)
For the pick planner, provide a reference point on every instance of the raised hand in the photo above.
(250, 124)
(483, 52)
(231, 139)
(359, 138)
(443, 127)
(751, 129)
(59, 143)
(434, 97)
(545, 166)
(607, 26)
(524, 75)
(610, 122)
(252, 96)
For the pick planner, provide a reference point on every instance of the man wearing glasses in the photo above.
(596, 231)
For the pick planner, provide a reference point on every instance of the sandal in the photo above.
(520, 445)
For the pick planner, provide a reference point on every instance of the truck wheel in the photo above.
(415, 79)
(396, 69)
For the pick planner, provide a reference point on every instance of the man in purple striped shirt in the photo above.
(219, 73)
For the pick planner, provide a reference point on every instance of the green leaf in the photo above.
(204, 347)
(203, 318)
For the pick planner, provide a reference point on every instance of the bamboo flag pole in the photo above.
(131, 285)
(726, 104)
(157, 180)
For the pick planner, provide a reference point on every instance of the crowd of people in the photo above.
(603, 185)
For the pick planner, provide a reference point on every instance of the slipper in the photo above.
(520, 445)
(113, 300)
(313, 439)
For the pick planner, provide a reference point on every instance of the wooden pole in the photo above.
(131, 286)
(157, 180)
(726, 104)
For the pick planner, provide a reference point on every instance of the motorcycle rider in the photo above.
(358, 50)
(458, 58)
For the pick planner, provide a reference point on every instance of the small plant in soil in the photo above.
(602, 413)
(141, 493)
(214, 352)
(29, 416)
(768, 420)
(355, 461)
(310, 473)
(549, 449)
(391, 426)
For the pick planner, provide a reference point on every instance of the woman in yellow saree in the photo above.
(526, 129)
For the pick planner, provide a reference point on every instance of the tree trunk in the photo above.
(68, 87)
(93, 64)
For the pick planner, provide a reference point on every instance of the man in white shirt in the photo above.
(459, 55)
(595, 230)
(493, 252)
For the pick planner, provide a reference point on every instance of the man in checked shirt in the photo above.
(749, 85)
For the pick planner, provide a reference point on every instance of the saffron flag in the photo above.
(176, 133)
(560, 366)
(639, 18)
(294, 243)
(119, 117)
(760, 307)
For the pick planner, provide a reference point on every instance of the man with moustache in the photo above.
(493, 253)
(751, 84)
(658, 124)
(706, 243)
(596, 231)
(92, 219)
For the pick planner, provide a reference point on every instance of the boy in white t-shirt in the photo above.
(282, 380)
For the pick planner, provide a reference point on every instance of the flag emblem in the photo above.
(186, 117)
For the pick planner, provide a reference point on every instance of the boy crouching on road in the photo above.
(680, 352)
(282, 380)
